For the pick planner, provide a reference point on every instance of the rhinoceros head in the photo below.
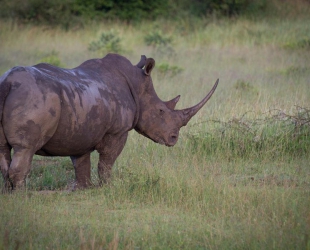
(158, 120)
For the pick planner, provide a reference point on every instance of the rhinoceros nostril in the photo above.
(173, 138)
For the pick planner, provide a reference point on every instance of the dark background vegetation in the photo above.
(68, 13)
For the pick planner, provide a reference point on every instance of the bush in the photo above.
(53, 59)
(161, 43)
(274, 135)
(303, 43)
(166, 69)
(156, 38)
(108, 42)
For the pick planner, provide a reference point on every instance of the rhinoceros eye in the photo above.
(161, 112)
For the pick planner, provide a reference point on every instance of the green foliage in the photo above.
(159, 42)
(53, 59)
(303, 43)
(156, 39)
(108, 42)
(73, 13)
(165, 69)
(135, 10)
(57, 12)
(223, 7)
(69, 13)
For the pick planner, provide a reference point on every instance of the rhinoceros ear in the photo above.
(142, 62)
(172, 103)
(149, 65)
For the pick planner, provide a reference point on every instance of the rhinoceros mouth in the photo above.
(160, 141)
(156, 139)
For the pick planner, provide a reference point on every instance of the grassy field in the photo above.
(239, 177)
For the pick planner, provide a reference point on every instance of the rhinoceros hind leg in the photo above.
(82, 171)
(5, 159)
(20, 167)
(109, 149)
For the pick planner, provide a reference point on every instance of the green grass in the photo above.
(238, 178)
(191, 206)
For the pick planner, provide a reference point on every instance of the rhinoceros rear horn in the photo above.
(141, 64)
(188, 113)
(173, 102)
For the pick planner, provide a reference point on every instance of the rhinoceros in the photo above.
(51, 111)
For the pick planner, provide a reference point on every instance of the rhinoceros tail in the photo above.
(4, 91)
(4, 146)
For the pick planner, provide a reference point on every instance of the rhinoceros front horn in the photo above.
(188, 113)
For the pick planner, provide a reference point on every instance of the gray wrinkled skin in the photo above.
(51, 111)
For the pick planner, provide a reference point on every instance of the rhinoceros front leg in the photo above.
(109, 149)
(82, 168)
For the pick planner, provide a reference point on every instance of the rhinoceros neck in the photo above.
(136, 100)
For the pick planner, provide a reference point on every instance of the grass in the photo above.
(188, 207)
(238, 178)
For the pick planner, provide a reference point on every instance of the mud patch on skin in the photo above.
(52, 112)
(15, 85)
(104, 93)
(93, 113)
(29, 132)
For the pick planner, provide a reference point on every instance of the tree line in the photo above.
(66, 12)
